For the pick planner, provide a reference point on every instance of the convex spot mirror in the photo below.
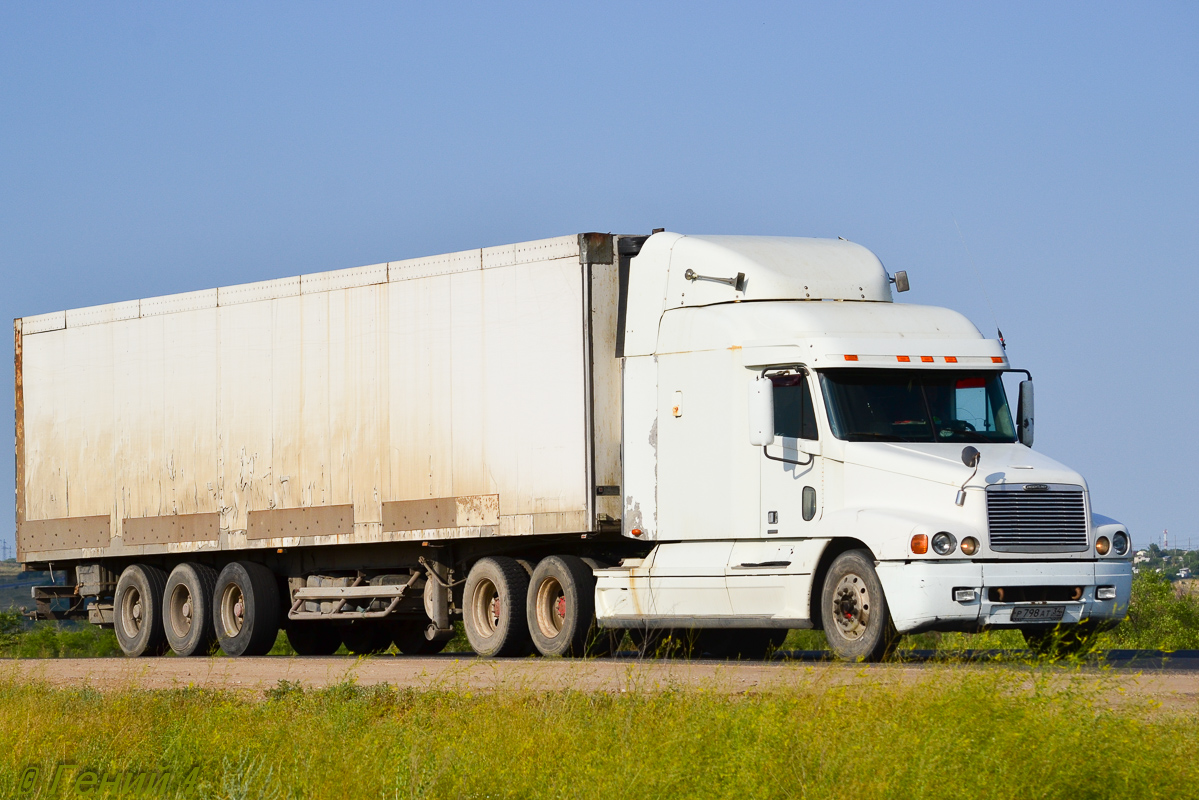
(1024, 414)
(970, 456)
(761, 412)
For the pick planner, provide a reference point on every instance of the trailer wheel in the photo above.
(410, 638)
(138, 611)
(561, 608)
(313, 638)
(187, 609)
(245, 608)
(857, 622)
(493, 607)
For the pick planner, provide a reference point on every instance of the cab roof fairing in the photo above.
(674, 271)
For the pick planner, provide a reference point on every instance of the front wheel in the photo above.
(857, 622)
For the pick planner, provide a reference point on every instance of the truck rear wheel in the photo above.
(561, 608)
(187, 609)
(245, 608)
(138, 611)
(857, 622)
(493, 607)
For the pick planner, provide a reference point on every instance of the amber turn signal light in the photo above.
(920, 544)
(1102, 545)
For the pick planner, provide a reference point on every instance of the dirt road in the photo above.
(1172, 688)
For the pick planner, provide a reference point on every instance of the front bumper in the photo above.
(920, 593)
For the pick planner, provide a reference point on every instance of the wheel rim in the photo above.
(551, 607)
(851, 606)
(233, 610)
(131, 612)
(487, 607)
(181, 611)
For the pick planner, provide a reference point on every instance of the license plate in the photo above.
(1038, 613)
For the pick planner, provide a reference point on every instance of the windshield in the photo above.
(907, 405)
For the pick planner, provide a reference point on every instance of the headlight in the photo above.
(944, 543)
(969, 546)
(1120, 542)
(1102, 545)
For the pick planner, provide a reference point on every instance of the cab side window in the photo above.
(794, 415)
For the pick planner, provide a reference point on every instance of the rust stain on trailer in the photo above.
(171, 529)
(469, 511)
(65, 533)
(293, 522)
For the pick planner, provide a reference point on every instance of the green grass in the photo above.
(957, 732)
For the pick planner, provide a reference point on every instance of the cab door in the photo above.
(792, 470)
(765, 576)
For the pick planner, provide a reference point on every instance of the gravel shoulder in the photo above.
(1172, 689)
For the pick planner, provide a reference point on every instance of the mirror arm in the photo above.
(1027, 374)
(803, 370)
(787, 460)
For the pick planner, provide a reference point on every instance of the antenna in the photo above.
(981, 285)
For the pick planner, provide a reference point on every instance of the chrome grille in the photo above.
(1053, 519)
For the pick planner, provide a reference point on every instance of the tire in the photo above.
(561, 609)
(313, 638)
(493, 607)
(410, 639)
(245, 609)
(853, 609)
(187, 609)
(366, 637)
(137, 611)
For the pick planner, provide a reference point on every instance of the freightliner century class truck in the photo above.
(555, 441)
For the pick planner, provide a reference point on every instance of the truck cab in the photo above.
(802, 451)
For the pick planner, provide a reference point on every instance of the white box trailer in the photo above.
(666, 433)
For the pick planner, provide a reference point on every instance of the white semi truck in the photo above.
(729, 436)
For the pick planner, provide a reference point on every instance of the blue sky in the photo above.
(158, 148)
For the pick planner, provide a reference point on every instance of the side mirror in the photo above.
(970, 456)
(761, 412)
(1024, 414)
